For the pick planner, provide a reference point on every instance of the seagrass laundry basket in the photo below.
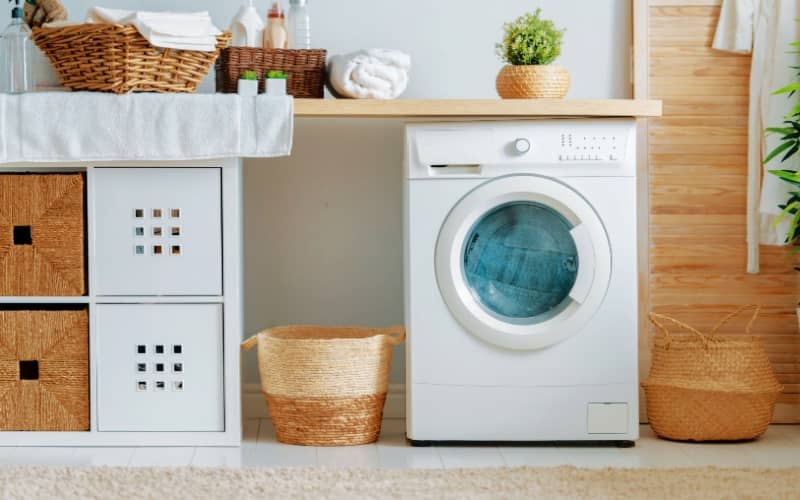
(117, 58)
(709, 387)
(325, 386)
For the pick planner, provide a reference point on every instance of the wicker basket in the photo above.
(533, 82)
(709, 387)
(325, 386)
(305, 69)
(44, 369)
(116, 58)
(42, 235)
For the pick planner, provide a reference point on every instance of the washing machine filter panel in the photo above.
(521, 262)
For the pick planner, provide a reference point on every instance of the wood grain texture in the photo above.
(697, 156)
(410, 108)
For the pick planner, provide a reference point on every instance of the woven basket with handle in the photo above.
(709, 387)
(304, 68)
(325, 386)
(116, 58)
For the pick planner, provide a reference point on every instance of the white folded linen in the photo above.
(370, 74)
(174, 30)
(91, 127)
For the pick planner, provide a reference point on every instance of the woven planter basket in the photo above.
(116, 58)
(44, 369)
(709, 387)
(533, 82)
(42, 235)
(325, 386)
(305, 69)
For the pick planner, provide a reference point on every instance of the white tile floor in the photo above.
(780, 447)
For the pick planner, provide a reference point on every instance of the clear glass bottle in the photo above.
(17, 53)
(299, 25)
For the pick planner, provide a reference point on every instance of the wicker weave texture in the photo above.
(58, 341)
(533, 82)
(325, 386)
(49, 210)
(117, 58)
(305, 69)
(709, 387)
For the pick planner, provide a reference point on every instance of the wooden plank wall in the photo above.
(697, 162)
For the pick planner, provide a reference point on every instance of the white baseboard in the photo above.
(254, 406)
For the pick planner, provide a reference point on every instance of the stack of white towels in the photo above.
(171, 30)
(370, 74)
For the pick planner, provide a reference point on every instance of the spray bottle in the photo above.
(16, 54)
(247, 27)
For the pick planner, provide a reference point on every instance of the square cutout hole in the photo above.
(141, 367)
(175, 231)
(177, 385)
(28, 370)
(138, 250)
(141, 349)
(23, 235)
(158, 231)
(175, 250)
(141, 385)
(177, 349)
(160, 349)
(157, 213)
(161, 385)
(138, 213)
(139, 231)
(175, 213)
(177, 367)
(158, 250)
(159, 367)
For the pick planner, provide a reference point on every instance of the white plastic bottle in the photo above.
(247, 27)
(299, 25)
(17, 51)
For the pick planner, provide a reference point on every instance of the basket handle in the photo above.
(732, 315)
(250, 343)
(394, 334)
(656, 319)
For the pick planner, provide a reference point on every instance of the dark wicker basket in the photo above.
(305, 69)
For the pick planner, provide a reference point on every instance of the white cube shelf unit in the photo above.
(164, 276)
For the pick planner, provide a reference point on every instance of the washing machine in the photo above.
(521, 290)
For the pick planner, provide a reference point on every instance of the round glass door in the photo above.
(523, 262)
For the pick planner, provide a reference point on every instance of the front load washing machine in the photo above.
(521, 290)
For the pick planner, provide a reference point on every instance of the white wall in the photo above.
(323, 228)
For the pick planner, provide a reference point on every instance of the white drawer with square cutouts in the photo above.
(160, 367)
(158, 231)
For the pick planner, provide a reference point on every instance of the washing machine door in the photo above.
(523, 262)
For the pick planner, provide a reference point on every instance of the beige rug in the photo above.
(562, 482)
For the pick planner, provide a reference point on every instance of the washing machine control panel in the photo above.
(583, 146)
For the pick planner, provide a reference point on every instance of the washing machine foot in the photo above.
(419, 444)
(626, 444)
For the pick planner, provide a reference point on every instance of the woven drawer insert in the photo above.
(42, 235)
(44, 369)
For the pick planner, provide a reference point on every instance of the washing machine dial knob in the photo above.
(522, 145)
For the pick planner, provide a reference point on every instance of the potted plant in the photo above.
(788, 147)
(276, 82)
(248, 84)
(529, 46)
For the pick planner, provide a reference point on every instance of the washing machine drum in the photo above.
(523, 262)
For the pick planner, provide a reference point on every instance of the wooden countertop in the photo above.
(475, 108)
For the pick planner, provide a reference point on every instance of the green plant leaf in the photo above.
(778, 150)
(785, 212)
(792, 87)
(530, 40)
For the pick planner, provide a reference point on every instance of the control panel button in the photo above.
(522, 145)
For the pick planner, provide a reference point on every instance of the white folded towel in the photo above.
(370, 74)
(173, 30)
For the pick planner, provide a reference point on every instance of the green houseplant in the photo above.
(529, 47)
